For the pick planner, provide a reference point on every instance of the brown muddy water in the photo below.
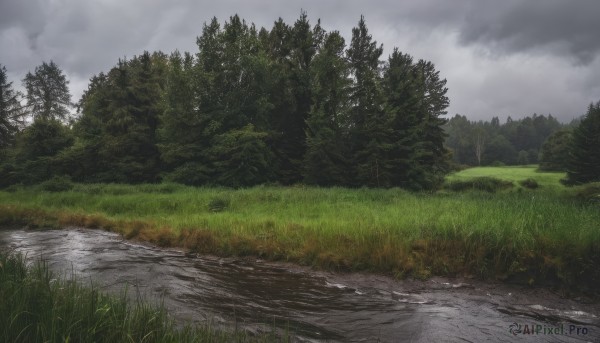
(311, 306)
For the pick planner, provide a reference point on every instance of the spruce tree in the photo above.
(239, 152)
(48, 95)
(182, 143)
(281, 96)
(554, 154)
(209, 93)
(401, 103)
(430, 159)
(12, 113)
(370, 134)
(584, 162)
(130, 129)
(293, 49)
(324, 162)
(89, 129)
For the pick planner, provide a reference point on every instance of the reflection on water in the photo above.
(311, 306)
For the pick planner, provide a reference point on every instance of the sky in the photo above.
(500, 58)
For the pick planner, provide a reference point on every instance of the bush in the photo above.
(488, 184)
(161, 188)
(529, 183)
(218, 204)
(14, 188)
(456, 167)
(589, 192)
(497, 164)
(57, 184)
(190, 174)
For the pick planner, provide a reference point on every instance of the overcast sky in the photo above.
(501, 58)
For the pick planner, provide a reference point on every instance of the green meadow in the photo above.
(545, 235)
(514, 173)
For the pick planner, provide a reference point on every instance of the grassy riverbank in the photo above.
(36, 307)
(535, 236)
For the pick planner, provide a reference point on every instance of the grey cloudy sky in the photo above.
(509, 57)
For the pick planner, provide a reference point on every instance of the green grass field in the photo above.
(513, 173)
(541, 235)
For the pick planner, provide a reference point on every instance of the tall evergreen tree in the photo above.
(430, 162)
(281, 95)
(401, 104)
(584, 164)
(554, 154)
(48, 95)
(258, 85)
(130, 141)
(82, 160)
(293, 49)
(182, 144)
(239, 152)
(12, 113)
(236, 50)
(209, 94)
(324, 162)
(370, 134)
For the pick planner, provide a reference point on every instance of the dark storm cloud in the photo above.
(568, 28)
(500, 57)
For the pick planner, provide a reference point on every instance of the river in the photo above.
(317, 306)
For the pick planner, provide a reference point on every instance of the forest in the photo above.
(293, 104)
(515, 142)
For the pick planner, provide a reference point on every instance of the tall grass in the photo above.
(37, 307)
(537, 235)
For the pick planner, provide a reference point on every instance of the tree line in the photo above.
(572, 148)
(515, 142)
(291, 104)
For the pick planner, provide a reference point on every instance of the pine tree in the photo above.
(370, 134)
(281, 96)
(236, 50)
(48, 95)
(130, 130)
(324, 161)
(554, 154)
(12, 113)
(401, 103)
(293, 49)
(430, 161)
(82, 160)
(183, 144)
(584, 162)
(209, 94)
